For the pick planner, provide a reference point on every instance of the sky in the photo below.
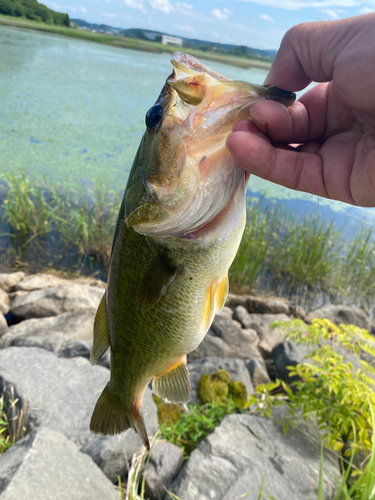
(259, 24)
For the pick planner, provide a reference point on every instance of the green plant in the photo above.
(13, 420)
(191, 428)
(339, 395)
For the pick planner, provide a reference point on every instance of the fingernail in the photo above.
(262, 125)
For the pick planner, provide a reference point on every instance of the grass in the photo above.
(69, 226)
(13, 420)
(128, 43)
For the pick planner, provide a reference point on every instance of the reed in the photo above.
(70, 227)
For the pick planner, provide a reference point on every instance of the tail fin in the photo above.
(109, 418)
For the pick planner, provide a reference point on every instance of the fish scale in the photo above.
(178, 230)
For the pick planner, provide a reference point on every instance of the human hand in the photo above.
(333, 123)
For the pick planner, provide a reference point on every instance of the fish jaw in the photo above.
(183, 166)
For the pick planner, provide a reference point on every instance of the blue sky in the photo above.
(255, 23)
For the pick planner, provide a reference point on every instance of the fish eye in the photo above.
(153, 116)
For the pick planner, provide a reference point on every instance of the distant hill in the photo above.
(156, 36)
(33, 10)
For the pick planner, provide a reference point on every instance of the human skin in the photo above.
(325, 143)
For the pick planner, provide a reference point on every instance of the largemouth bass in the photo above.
(178, 230)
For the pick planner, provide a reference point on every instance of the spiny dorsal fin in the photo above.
(101, 334)
(109, 418)
(157, 279)
(174, 384)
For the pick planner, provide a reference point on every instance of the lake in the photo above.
(74, 111)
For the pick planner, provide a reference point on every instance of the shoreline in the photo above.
(128, 43)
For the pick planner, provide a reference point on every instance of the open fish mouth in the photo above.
(189, 176)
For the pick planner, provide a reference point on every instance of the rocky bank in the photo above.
(44, 359)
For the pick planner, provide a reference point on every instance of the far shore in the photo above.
(129, 43)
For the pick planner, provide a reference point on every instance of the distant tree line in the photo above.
(31, 9)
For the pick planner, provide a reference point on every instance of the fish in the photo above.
(178, 230)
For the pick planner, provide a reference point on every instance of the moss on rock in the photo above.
(219, 387)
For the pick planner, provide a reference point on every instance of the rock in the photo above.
(57, 300)
(3, 325)
(113, 454)
(273, 305)
(45, 465)
(61, 393)
(39, 282)
(348, 315)
(4, 302)
(226, 312)
(51, 333)
(165, 463)
(258, 372)
(261, 323)
(297, 312)
(242, 342)
(211, 346)
(289, 354)
(240, 313)
(236, 368)
(243, 449)
(9, 280)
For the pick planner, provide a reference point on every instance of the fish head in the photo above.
(183, 176)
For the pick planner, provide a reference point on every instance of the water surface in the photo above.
(74, 110)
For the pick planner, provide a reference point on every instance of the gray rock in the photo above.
(165, 463)
(39, 282)
(261, 323)
(243, 342)
(211, 346)
(226, 312)
(242, 450)
(262, 305)
(286, 354)
(61, 392)
(46, 465)
(348, 315)
(113, 454)
(9, 280)
(297, 312)
(4, 302)
(236, 368)
(3, 325)
(51, 333)
(57, 300)
(258, 372)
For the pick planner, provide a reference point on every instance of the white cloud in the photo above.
(221, 14)
(163, 5)
(185, 28)
(300, 4)
(182, 6)
(134, 4)
(53, 5)
(330, 13)
(366, 10)
(267, 18)
(83, 9)
(72, 9)
(111, 15)
(127, 18)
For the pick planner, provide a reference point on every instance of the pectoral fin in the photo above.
(101, 334)
(156, 281)
(221, 293)
(174, 384)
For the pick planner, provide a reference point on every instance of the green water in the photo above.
(74, 111)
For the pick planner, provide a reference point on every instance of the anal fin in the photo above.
(174, 384)
(109, 418)
(101, 335)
